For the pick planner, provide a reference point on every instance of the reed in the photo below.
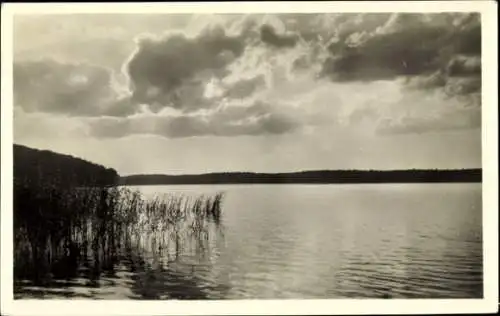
(57, 230)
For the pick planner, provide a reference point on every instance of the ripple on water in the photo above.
(405, 241)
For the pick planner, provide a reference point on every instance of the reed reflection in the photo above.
(87, 237)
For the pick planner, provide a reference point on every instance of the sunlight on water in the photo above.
(307, 241)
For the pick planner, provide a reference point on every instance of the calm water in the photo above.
(309, 241)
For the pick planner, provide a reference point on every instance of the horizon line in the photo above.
(251, 172)
(300, 171)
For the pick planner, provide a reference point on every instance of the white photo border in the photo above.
(488, 11)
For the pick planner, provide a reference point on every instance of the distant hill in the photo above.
(317, 176)
(44, 167)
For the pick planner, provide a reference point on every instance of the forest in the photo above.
(34, 167)
(71, 218)
(316, 176)
(67, 209)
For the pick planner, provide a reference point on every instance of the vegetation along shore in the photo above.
(69, 212)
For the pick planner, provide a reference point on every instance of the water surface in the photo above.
(309, 241)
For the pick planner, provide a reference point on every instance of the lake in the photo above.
(310, 241)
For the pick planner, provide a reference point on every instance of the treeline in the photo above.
(68, 213)
(33, 167)
(318, 176)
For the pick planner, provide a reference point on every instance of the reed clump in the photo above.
(57, 230)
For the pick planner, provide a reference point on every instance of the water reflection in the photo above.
(153, 266)
(296, 242)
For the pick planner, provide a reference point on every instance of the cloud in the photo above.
(37, 124)
(244, 87)
(231, 75)
(462, 65)
(94, 38)
(407, 45)
(254, 119)
(169, 72)
(422, 111)
(435, 57)
(452, 86)
(386, 56)
(269, 36)
(451, 120)
(74, 89)
(173, 70)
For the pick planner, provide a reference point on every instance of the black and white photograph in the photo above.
(248, 155)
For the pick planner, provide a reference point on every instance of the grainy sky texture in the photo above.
(280, 92)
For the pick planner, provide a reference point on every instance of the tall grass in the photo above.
(57, 229)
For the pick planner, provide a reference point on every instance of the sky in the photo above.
(180, 93)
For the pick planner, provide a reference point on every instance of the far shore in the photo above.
(310, 177)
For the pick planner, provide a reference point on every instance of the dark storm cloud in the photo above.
(408, 45)
(77, 89)
(269, 36)
(161, 66)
